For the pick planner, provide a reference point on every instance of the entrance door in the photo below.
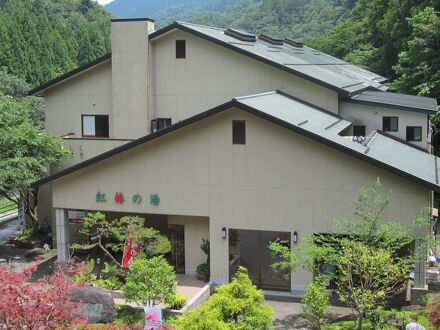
(177, 238)
(249, 248)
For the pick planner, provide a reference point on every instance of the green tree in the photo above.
(366, 275)
(150, 282)
(110, 235)
(25, 155)
(375, 247)
(236, 305)
(315, 303)
(418, 68)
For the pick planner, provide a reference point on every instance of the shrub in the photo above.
(202, 318)
(433, 311)
(238, 305)
(425, 299)
(179, 302)
(315, 303)
(150, 281)
(127, 315)
(41, 304)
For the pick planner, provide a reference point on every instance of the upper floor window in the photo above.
(180, 48)
(390, 124)
(413, 133)
(358, 130)
(95, 126)
(159, 123)
(238, 132)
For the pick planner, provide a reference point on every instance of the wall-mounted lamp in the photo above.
(223, 232)
(295, 237)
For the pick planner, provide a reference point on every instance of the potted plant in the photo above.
(203, 270)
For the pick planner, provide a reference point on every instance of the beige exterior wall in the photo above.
(371, 117)
(279, 180)
(196, 229)
(211, 75)
(130, 78)
(87, 93)
(83, 149)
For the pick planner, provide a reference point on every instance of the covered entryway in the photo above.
(186, 234)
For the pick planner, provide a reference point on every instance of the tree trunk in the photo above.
(108, 254)
(360, 320)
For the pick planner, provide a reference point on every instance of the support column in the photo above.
(419, 269)
(62, 231)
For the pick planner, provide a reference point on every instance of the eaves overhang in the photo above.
(40, 89)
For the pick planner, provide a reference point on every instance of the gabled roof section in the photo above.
(304, 62)
(313, 122)
(397, 101)
(42, 88)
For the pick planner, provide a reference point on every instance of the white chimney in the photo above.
(130, 78)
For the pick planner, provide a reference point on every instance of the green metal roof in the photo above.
(303, 61)
(399, 101)
(380, 149)
(387, 152)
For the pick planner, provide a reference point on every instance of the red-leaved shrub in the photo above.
(433, 310)
(41, 304)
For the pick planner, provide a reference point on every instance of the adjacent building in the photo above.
(223, 135)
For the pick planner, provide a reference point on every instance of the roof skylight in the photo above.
(241, 35)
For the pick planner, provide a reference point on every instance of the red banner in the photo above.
(131, 250)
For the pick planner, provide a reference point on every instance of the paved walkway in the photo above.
(289, 315)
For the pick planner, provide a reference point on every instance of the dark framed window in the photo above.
(180, 48)
(390, 124)
(413, 133)
(95, 126)
(238, 132)
(160, 123)
(358, 130)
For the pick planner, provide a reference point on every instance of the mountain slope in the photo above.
(296, 18)
(41, 39)
(157, 8)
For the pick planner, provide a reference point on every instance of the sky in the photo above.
(104, 2)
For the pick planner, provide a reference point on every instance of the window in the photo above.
(358, 130)
(390, 124)
(95, 126)
(238, 132)
(159, 123)
(180, 48)
(413, 133)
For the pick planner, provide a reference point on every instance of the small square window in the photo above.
(390, 124)
(413, 133)
(95, 126)
(160, 123)
(238, 132)
(358, 130)
(180, 48)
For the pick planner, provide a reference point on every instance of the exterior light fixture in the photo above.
(223, 232)
(295, 237)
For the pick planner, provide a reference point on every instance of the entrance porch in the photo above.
(186, 234)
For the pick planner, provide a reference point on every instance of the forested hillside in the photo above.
(41, 39)
(164, 9)
(296, 18)
(397, 39)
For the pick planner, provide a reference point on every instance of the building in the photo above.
(232, 137)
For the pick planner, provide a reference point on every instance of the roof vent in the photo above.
(294, 42)
(270, 39)
(241, 35)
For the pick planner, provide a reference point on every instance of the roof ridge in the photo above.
(238, 98)
(200, 25)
